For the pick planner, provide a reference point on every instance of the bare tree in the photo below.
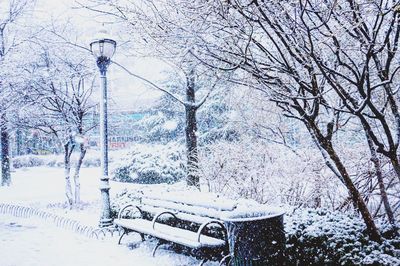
(301, 54)
(323, 63)
(60, 103)
(10, 12)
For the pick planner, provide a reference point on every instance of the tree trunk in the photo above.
(5, 153)
(4, 137)
(355, 195)
(396, 165)
(77, 183)
(18, 140)
(68, 148)
(193, 178)
(379, 176)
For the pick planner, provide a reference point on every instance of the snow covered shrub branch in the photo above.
(150, 164)
(268, 173)
(321, 237)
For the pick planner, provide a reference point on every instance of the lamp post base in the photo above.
(105, 216)
(105, 222)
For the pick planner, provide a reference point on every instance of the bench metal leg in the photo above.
(202, 262)
(159, 243)
(225, 260)
(120, 238)
(126, 232)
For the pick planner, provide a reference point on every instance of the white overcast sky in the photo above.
(125, 91)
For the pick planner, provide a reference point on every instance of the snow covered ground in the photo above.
(33, 241)
(45, 185)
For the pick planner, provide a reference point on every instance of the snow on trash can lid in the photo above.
(251, 212)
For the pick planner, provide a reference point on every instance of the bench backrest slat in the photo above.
(181, 215)
(182, 208)
(193, 198)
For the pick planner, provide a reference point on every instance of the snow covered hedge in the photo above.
(150, 164)
(320, 237)
(28, 161)
(269, 173)
(92, 159)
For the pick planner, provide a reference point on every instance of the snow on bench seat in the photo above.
(169, 233)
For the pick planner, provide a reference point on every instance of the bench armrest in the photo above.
(206, 224)
(126, 207)
(161, 214)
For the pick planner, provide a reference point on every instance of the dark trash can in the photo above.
(256, 241)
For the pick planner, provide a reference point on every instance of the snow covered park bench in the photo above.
(182, 219)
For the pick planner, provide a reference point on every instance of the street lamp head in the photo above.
(103, 49)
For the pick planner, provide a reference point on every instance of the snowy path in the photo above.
(41, 187)
(32, 242)
(45, 185)
(35, 242)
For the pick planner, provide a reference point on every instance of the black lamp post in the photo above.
(103, 49)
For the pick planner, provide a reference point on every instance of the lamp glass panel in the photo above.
(103, 48)
(108, 49)
(95, 47)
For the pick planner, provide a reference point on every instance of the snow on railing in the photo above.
(59, 221)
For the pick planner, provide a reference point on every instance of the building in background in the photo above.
(123, 131)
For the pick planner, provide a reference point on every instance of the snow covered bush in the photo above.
(150, 164)
(165, 119)
(321, 237)
(91, 162)
(92, 159)
(123, 198)
(161, 126)
(268, 173)
(28, 161)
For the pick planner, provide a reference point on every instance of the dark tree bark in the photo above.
(18, 140)
(378, 170)
(5, 154)
(193, 178)
(5, 159)
(191, 148)
(326, 143)
(395, 163)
